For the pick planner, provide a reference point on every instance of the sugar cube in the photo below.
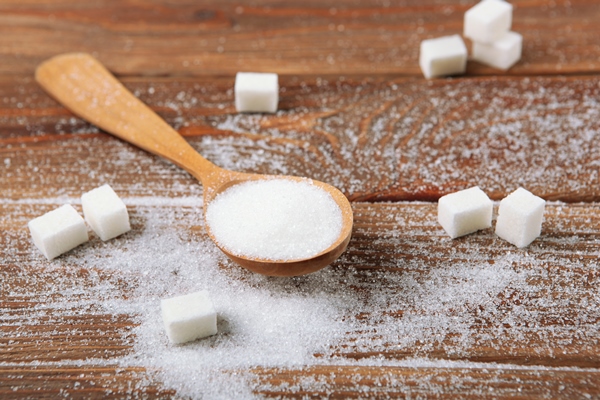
(256, 92)
(58, 231)
(465, 211)
(502, 53)
(443, 56)
(105, 212)
(488, 20)
(520, 217)
(189, 317)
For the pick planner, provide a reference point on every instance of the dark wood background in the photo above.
(357, 114)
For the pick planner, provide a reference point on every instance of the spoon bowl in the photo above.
(83, 85)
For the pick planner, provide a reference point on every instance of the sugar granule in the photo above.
(275, 219)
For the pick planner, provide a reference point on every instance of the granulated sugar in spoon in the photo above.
(272, 225)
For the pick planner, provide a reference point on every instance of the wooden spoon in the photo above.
(83, 85)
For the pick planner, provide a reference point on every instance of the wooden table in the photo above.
(355, 112)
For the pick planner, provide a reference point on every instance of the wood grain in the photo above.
(316, 37)
(376, 140)
(50, 382)
(398, 382)
(548, 281)
(434, 318)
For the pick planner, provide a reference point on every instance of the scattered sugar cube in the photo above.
(189, 317)
(105, 212)
(520, 217)
(488, 20)
(502, 53)
(443, 56)
(256, 92)
(58, 231)
(465, 211)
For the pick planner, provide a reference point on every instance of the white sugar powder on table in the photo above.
(275, 219)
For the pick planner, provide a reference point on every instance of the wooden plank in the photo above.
(316, 37)
(397, 139)
(50, 382)
(562, 260)
(316, 382)
(350, 382)
(436, 315)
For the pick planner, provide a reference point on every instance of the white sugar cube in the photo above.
(105, 212)
(256, 92)
(189, 317)
(502, 53)
(58, 231)
(488, 20)
(465, 211)
(520, 217)
(443, 56)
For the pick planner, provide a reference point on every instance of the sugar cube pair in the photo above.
(519, 215)
(487, 24)
(63, 229)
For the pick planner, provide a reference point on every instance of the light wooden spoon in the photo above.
(84, 86)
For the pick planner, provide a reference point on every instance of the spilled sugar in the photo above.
(275, 219)
(408, 137)
(396, 139)
(337, 316)
(261, 321)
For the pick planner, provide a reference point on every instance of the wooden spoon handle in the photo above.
(83, 85)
